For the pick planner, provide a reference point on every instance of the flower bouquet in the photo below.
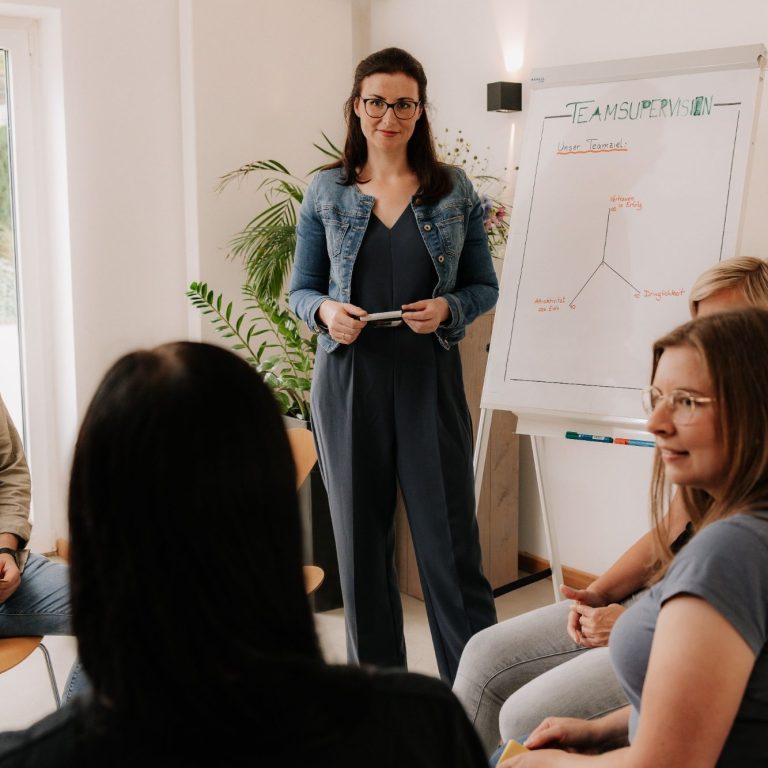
(455, 150)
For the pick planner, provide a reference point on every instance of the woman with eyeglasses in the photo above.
(554, 660)
(692, 654)
(389, 229)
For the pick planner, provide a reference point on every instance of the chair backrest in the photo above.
(304, 453)
(13, 650)
(313, 577)
(304, 457)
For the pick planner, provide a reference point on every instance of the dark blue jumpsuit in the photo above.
(391, 406)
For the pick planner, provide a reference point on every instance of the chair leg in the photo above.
(51, 676)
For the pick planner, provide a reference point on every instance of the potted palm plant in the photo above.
(267, 333)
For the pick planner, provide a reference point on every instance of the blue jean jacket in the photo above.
(332, 222)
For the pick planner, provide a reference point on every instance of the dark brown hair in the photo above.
(434, 179)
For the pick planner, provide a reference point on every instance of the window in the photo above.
(36, 327)
(10, 346)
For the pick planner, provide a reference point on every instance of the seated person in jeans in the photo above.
(691, 654)
(188, 594)
(34, 592)
(554, 661)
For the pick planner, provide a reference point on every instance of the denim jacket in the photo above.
(332, 222)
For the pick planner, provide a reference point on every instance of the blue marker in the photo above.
(590, 438)
(641, 443)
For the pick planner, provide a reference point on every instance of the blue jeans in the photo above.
(40, 606)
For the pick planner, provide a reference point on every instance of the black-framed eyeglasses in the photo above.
(681, 403)
(404, 109)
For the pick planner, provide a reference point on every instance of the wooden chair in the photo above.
(13, 650)
(305, 457)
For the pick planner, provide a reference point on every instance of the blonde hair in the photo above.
(746, 272)
(734, 348)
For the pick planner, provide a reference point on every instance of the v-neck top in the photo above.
(393, 266)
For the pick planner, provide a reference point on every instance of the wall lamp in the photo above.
(505, 97)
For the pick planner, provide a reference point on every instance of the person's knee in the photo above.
(520, 714)
(478, 658)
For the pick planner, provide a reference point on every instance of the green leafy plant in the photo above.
(267, 242)
(268, 335)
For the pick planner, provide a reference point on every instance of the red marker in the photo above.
(627, 441)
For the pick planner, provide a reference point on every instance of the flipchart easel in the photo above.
(622, 161)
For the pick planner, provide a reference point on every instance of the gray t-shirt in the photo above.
(726, 564)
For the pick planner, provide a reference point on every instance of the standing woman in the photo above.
(386, 228)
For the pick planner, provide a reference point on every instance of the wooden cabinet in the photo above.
(498, 510)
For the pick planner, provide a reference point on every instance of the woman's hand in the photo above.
(341, 320)
(591, 617)
(569, 733)
(552, 741)
(595, 624)
(426, 315)
(556, 737)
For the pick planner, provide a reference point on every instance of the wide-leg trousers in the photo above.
(391, 408)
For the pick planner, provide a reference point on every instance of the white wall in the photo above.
(161, 97)
(596, 494)
(123, 129)
(268, 79)
(110, 80)
(456, 42)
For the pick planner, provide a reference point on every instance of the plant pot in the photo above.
(318, 545)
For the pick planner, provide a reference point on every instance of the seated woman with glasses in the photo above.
(188, 594)
(692, 654)
(554, 660)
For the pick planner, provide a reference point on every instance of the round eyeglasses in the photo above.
(682, 404)
(404, 109)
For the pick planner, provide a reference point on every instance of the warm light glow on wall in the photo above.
(513, 58)
(511, 175)
(510, 20)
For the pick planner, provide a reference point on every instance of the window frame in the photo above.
(43, 268)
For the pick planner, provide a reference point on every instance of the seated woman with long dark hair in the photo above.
(188, 596)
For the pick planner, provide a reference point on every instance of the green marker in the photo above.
(589, 438)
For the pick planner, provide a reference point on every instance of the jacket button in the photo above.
(441, 259)
(427, 227)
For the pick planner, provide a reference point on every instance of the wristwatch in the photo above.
(14, 553)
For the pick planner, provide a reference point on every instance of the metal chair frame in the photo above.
(17, 649)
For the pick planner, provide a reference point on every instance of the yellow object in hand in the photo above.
(513, 748)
